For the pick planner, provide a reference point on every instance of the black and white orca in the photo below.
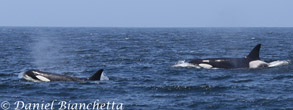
(252, 60)
(39, 76)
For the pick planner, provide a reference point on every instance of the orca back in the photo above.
(37, 76)
(226, 63)
(230, 62)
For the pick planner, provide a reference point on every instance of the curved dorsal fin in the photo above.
(96, 76)
(254, 54)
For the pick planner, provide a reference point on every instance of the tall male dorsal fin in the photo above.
(97, 75)
(254, 54)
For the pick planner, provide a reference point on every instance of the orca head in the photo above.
(254, 53)
(34, 75)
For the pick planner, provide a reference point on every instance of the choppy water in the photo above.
(139, 63)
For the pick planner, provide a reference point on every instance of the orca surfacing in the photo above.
(250, 61)
(40, 76)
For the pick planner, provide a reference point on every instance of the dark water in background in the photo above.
(139, 62)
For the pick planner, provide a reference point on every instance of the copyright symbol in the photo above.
(5, 105)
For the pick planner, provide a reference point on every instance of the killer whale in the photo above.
(40, 76)
(252, 60)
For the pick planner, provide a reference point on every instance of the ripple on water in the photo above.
(142, 69)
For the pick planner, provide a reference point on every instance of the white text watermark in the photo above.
(61, 105)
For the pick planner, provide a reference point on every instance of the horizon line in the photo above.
(151, 26)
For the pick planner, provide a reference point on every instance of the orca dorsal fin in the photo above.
(97, 75)
(254, 53)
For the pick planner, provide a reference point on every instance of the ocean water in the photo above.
(140, 64)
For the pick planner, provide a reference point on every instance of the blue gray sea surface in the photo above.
(140, 65)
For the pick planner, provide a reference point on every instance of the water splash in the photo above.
(279, 63)
(182, 63)
(20, 75)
